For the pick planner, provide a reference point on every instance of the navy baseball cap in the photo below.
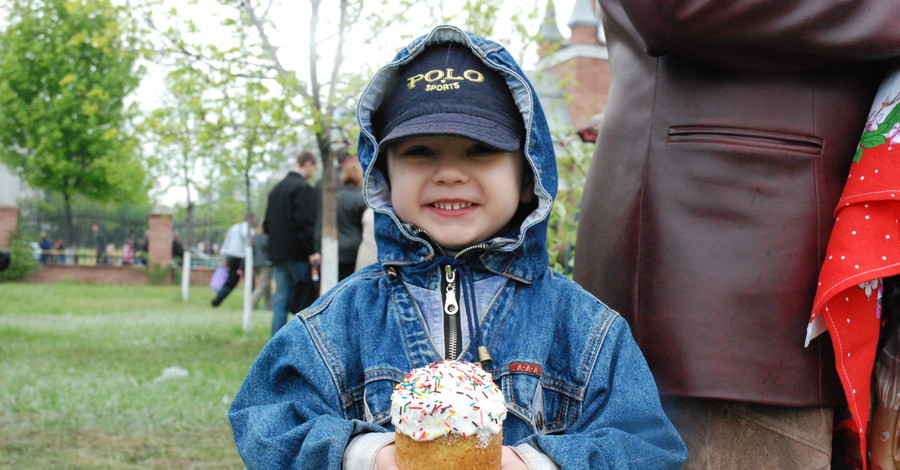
(448, 90)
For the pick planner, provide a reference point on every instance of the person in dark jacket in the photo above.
(177, 248)
(725, 145)
(292, 212)
(46, 247)
(350, 207)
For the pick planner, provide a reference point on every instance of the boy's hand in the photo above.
(386, 458)
(509, 460)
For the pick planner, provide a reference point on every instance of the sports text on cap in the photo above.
(448, 90)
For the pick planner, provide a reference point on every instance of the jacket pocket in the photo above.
(376, 399)
(746, 138)
(544, 409)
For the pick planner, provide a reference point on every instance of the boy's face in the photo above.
(458, 190)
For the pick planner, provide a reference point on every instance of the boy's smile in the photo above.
(458, 190)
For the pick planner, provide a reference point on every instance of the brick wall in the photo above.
(200, 277)
(160, 239)
(125, 275)
(591, 86)
(582, 34)
(89, 274)
(587, 79)
(9, 218)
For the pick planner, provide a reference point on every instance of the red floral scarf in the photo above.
(863, 249)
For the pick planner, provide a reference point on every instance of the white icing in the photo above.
(448, 398)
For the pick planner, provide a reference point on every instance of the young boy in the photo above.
(461, 174)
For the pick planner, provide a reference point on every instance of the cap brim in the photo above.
(471, 127)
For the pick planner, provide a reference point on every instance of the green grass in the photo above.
(80, 367)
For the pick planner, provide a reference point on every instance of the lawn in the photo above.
(81, 376)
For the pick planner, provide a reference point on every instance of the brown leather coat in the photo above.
(725, 144)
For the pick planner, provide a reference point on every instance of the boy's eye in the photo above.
(480, 150)
(416, 151)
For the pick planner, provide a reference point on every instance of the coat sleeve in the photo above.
(622, 424)
(764, 34)
(305, 206)
(287, 414)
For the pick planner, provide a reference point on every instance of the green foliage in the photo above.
(234, 105)
(181, 140)
(481, 16)
(225, 117)
(573, 160)
(158, 275)
(876, 137)
(22, 263)
(66, 68)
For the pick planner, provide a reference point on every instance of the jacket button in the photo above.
(539, 421)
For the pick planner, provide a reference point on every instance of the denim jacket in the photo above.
(577, 388)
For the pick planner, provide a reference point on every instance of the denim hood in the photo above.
(520, 252)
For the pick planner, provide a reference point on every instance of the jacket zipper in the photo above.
(452, 326)
(450, 298)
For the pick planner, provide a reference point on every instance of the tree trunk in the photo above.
(188, 241)
(329, 248)
(247, 322)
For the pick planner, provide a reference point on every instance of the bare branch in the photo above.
(338, 55)
(260, 29)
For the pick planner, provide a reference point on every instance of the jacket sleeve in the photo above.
(287, 414)
(622, 424)
(764, 34)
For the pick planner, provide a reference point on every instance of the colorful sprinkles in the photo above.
(448, 397)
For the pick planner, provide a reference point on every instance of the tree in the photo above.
(178, 134)
(326, 103)
(324, 89)
(221, 122)
(66, 68)
(253, 121)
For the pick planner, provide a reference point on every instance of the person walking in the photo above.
(725, 145)
(233, 257)
(292, 212)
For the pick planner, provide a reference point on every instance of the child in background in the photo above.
(461, 174)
